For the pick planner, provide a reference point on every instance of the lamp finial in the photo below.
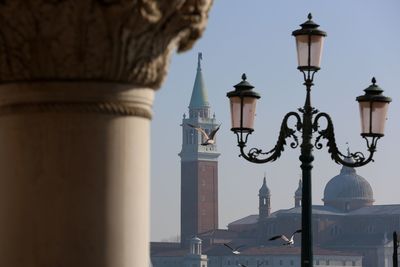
(244, 77)
(309, 16)
(373, 80)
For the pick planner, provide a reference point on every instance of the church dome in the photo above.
(195, 240)
(347, 186)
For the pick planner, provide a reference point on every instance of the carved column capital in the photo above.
(124, 41)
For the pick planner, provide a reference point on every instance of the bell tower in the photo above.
(264, 205)
(199, 166)
(298, 195)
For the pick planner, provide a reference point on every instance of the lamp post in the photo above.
(395, 248)
(373, 109)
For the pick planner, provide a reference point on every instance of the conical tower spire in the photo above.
(199, 105)
(264, 205)
(298, 194)
(264, 190)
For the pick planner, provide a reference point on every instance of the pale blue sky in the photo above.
(255, 37)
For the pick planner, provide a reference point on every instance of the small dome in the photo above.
(264, 190)
(348, 185)
(195, 240)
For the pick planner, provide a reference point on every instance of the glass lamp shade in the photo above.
(309, 51)
(243, 111)
(373, 111)
(309, 43)
(373, 118)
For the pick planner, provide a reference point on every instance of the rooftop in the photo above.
(221, 250)
(326, 210)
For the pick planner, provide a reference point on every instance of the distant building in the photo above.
(253, 256)
(348, 221)
(199, 166)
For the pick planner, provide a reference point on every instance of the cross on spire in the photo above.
(199, 58)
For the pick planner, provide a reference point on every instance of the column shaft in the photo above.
(74, 185)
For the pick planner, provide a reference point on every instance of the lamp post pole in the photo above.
(395, 250)
(306, 159)
(373, 110)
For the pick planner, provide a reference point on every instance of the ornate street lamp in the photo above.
(373, 108)
(243, 106)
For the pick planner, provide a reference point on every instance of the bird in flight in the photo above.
(234, 250)
(288, 241)
(242, 265)
(209, 139)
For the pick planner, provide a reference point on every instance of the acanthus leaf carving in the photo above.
(105, 40)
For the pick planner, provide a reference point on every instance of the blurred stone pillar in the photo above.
(77, 85)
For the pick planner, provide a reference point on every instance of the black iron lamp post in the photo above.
(373, 110)
(395, 250)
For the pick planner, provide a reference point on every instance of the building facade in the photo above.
(217, 255)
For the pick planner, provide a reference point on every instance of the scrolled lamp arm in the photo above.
(329, 134)
(285, 132)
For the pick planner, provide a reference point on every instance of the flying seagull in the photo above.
(289, 242)
(234, 250)
(210, 139)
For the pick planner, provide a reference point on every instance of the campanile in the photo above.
(199, 166)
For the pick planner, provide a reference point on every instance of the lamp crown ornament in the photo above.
(309, 24)
(374, 93)
(373, 89)
(243, 85)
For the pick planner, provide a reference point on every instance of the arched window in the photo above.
(347, 206)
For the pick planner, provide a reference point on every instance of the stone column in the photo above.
(77, 85)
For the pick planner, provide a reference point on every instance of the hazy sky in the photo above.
(255, 37)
